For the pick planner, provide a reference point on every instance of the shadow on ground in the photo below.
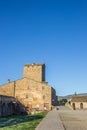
(15, 120)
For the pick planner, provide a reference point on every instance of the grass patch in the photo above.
(28, 122)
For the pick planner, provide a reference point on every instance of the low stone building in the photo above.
(10, 106)
(32, 90)
(78, 102)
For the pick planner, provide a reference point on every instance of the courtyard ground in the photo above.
(73, 119)
(64, 119)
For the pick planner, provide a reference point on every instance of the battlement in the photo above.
(33, 64)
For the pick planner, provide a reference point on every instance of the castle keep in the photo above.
(32, 90)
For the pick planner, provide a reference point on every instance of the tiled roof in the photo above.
(79, 99)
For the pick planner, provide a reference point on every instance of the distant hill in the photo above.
(70, 96)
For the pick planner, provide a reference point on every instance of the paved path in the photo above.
(51, 122)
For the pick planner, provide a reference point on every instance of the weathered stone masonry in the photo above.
(9, 106)
(32, 90)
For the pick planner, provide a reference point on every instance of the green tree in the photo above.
(75, 94)
(62, 101)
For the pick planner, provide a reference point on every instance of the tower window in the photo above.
(26, 96)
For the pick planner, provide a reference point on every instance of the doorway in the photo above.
(73, 106)
(81, 105)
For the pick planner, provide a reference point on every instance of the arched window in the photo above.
(81, 105)
(73, 106)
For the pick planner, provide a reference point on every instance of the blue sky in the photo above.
(45, 31)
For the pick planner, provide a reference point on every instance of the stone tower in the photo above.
(35, 72)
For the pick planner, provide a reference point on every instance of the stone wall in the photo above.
(29, 92)
(54, 98)
(79, 105)
(7, 89)
(35, 72)
(78, 102)
(32, 91)
(10, 106)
